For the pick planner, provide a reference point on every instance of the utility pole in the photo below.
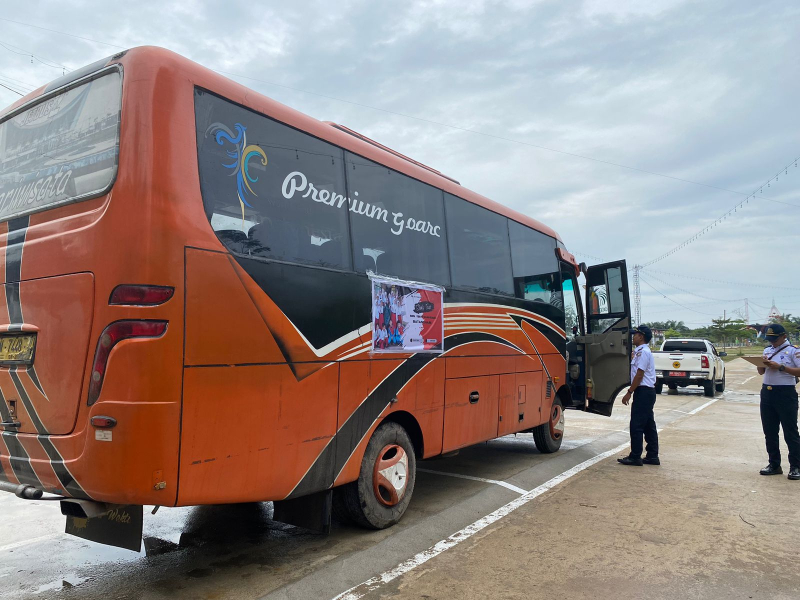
(637, 297)
(724, 326)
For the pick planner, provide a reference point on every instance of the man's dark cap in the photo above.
(774, 331)
(644, 330)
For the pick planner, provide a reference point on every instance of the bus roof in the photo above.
(333, 133)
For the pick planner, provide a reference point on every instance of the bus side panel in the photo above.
(422, 397)
(252, 426)
(222, 324)
(251, 433)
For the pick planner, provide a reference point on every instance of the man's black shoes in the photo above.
(630, 461)
(772, 470)
(651, 461)
(794, 473)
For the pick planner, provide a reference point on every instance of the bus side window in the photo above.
(479, 249)
(535, 267)
(279, 203)
(572, 324)
(396, 223)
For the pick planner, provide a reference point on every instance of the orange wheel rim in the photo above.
(390, 475)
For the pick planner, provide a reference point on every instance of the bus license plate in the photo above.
(17, 349)
(677, 373)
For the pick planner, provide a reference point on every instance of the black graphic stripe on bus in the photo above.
(338, 451)
(26, 402)
(35, 379)
(553, 337)
(3, 476)
(56, 460)
(20, 461)
(325, 305)
(17, 229)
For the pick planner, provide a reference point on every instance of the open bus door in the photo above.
(606, 344)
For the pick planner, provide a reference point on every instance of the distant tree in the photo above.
(678, 326)
(727, 330)
(792, 326)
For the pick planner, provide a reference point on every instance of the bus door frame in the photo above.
(606, 345)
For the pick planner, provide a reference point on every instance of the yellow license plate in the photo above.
(17, 348)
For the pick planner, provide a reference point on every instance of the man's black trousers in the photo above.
(643, 422)
(779, 409)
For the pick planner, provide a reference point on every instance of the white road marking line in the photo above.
(748, 379)
(364, 588)
(504, 484)
(16, 545)
(360, 590)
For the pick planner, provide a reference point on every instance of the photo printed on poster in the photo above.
(406, 316)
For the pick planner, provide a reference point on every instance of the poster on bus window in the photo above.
(406, 316)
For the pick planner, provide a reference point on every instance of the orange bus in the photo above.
(213, 298)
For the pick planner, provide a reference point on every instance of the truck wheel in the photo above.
(659, 387)
(708, 386)
(721, 385)
(379, 497)
(548, 436)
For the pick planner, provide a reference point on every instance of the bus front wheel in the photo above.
(548, 436)
(380, 496)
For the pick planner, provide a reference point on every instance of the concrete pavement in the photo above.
(703, 525)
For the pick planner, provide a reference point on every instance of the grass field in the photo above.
(737, 352)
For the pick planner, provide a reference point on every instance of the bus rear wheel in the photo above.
(548, 436)
(382, 492)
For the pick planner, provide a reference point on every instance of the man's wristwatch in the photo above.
(782, 368)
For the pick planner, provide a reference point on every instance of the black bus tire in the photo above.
(659, 387)
(379, 497)
(548, 436)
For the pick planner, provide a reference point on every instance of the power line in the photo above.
(673, 301)
(23, 52)
(724, 216)
(693, 293)
(62, 33)
(12, 89)
(17, 82)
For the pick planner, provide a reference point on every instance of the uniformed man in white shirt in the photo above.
(779, 400)
(643, 381)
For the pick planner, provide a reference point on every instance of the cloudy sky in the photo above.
(627, 126)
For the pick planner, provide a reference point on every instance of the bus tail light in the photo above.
(703, 362)
(114, 333)
(141, 295)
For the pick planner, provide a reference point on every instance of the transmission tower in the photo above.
(637, 297)
(746, 313)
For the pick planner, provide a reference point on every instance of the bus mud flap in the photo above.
(120, 526)
(311, 512)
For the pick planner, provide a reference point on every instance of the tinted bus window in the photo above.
(270, 190)
(397, 224)
(479, 254)
(534, 265)
(62, 149)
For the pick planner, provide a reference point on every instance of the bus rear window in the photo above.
(62, 149)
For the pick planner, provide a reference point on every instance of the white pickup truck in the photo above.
(684, 362)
